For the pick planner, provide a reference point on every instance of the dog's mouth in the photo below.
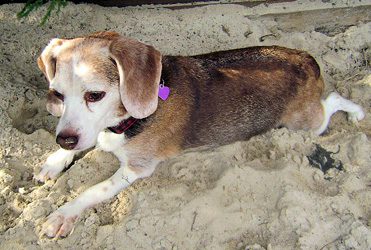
(123, 126)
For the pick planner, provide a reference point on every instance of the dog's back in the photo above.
(233, 95)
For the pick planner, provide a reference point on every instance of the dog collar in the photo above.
(123, 126)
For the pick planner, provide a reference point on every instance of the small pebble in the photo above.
(22, 190)
(70, 183)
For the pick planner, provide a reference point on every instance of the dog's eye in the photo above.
(57, 94)
(94, 96)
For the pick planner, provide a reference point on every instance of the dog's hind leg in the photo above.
(335, 102)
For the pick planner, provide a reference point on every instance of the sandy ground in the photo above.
(258, 194)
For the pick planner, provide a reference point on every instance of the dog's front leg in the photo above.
(55, 163)
(61, 222)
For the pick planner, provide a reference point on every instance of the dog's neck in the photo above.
(132, 126)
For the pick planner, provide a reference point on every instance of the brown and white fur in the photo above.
(215, 99)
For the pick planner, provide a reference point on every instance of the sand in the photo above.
(257, 194)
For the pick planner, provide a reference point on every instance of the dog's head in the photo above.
(97, 81)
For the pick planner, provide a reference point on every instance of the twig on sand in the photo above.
(330, 242)
(194, 219)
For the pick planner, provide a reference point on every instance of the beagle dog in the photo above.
(124, 97)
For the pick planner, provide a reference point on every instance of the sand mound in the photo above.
(263, 193)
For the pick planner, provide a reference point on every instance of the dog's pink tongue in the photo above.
(164, 92)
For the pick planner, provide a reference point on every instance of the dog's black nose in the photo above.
(67, 141)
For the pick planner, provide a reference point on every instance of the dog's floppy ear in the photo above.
(47, 59)
(139, 67)
(47, 64)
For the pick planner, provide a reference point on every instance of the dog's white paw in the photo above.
(48, 172)
(356, 116)
(59, 224)
(55, 163)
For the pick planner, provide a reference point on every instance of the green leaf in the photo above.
(31, 5)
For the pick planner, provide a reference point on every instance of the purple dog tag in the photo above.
(163, 92)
